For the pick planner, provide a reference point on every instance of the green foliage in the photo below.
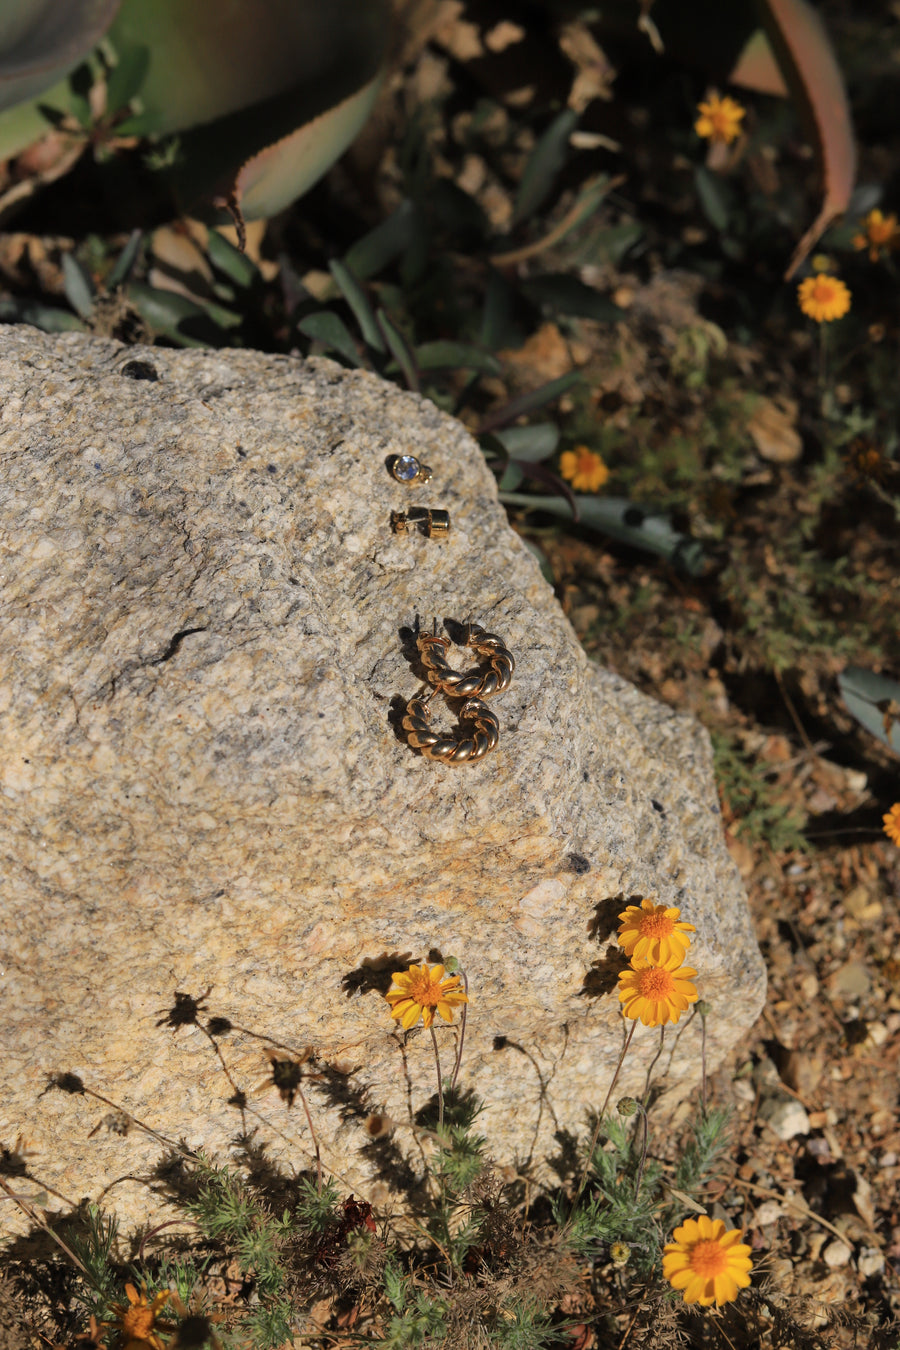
(269, 1325)
(522, 1325)
(704, 1146)
(752, 799)
(874, 700)
(420, 1320)
(228, 1214)
(95, 1247)
(316, 1210)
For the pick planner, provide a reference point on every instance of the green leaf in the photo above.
(400, 350)
(126, 77)
(808, 63)
(511, 478)
(210, 60)
(40, 42)
(329, 329)
(530, 402)
(125, 260)
(81, 82)
(78, 286)
(455, 356)
(39, 316)
(612, 242)
(715, 199)
(355, 296)
(236, 265)
(544, 163)
(497, 327)
(869, 697)
(287, 167)
(565, 294)
(542, 561)
(623, 520)
(372, 253)
(181, 319)
(531, 443)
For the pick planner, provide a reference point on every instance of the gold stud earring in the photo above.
(408, 469)
(463, 749)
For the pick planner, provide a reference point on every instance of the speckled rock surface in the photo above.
(202, 784)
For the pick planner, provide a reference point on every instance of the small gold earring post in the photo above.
(434, 520)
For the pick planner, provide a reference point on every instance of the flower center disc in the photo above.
(657, 983)
(708, 1259)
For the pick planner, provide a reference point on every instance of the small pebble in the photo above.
(787, 1119)
(871, 1262)
(769, 1212)
(836, 1254)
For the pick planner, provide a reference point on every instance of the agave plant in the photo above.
(229, 100)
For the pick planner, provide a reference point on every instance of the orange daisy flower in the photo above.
(653, 932)
(865, 460)
(420, 991)
(583, 468)
(720, 119)
(878, 232)
(823, 297)
(892, 823)
(709, 1264)
(138, 1322)
(656, 994)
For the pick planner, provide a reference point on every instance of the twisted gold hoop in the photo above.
(476, 683)
(451, 749)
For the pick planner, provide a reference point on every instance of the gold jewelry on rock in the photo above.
(477, 683)
(409, 470)
(464, 749)
(433, 521)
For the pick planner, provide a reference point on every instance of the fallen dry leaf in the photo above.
(503, 35)
(773, 428)
(594, 75)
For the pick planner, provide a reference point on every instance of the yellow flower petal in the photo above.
(421, 990)
(720, 119)
(823, 298)
(892, 823)
(708, 1264)
(583, 468)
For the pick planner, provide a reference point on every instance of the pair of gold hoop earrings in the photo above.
(473, 685)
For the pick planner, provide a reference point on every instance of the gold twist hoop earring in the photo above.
(476, 683)
(464, 749)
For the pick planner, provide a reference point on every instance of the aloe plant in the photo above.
(40, 42)
(247, 103)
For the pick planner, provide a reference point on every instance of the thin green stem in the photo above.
(644, 1138)
(462, 1034)
(652, 1065)
(440, 1085)
(315, 1139)
(597, 1127)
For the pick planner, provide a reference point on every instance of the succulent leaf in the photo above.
(40, 42)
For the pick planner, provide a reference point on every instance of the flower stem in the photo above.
(640, 1172)
(462, 1034)
(312, 1130)
(437, 1061)
(596, 1134)
(652, 1065)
